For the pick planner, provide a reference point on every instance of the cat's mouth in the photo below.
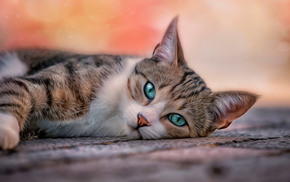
(134, 133)
(135, 125)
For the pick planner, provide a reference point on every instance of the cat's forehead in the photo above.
(181, 87)
(160, 73)
(181, 83)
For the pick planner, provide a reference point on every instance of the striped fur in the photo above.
(62, 94)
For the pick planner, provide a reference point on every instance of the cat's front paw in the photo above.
(9, 131)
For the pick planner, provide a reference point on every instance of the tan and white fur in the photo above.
(61, 94)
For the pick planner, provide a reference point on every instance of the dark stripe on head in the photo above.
(197, 85)
(203, 89)
(192, 93)
(183, 79)
(187, 82)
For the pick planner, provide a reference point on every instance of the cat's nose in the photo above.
(142, 121)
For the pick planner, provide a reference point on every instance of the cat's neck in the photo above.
(114, 88)
(105, 110)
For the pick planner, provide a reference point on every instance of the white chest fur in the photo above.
(104, 117)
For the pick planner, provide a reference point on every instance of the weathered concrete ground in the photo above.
(254, 148)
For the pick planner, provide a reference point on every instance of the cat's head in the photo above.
(169, 100)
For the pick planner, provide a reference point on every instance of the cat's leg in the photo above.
(53, 94)
(15, 106)
(9, 131)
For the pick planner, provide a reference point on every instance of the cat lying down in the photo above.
(62, 94)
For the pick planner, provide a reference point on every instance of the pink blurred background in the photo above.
(242, 44)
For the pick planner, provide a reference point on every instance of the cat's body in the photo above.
(61, 94)
(94, 86)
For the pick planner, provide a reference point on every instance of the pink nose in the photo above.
(142, 121)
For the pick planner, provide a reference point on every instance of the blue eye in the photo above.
(149, 90)
(177, 119)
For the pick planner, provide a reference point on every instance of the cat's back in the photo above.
(22, 62)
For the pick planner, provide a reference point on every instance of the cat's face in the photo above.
(166, 99)
(170, 98)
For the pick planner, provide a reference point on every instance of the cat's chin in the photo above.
(134, 134)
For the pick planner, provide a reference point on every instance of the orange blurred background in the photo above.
(242, 44)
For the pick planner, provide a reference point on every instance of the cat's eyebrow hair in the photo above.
(163, 85)
(182, 107)
(140, 73)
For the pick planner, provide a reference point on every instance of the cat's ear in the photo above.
(169, 49)
(230, 105)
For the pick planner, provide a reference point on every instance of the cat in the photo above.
(62, 94)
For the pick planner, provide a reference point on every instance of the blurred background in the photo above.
(242, 44)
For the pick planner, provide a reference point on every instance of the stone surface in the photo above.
(254, 148)
(127, 169)
(49, 153)
(207, 154)
(282, 144)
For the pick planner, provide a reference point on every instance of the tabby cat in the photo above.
(62, 94)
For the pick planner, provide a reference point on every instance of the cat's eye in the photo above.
(149, 90)
(177, 119)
